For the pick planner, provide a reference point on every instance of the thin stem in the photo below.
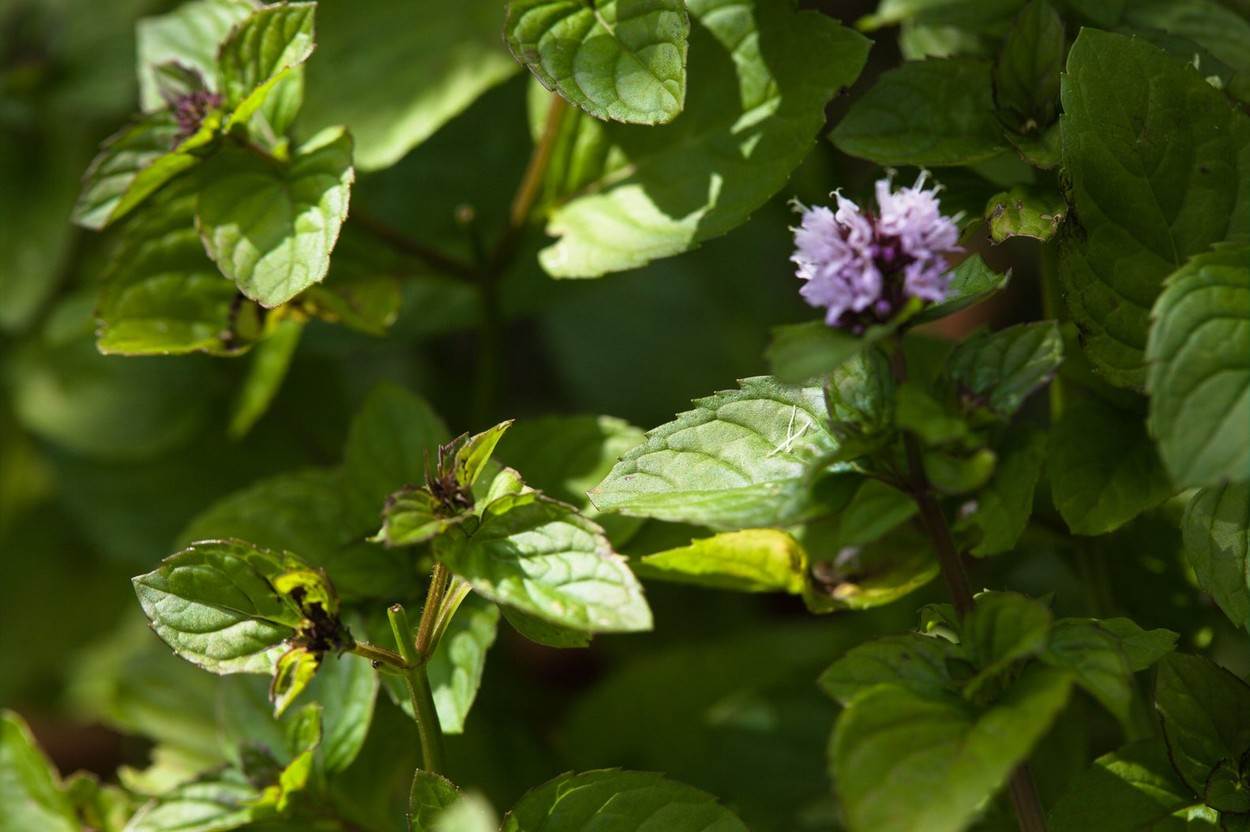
(380, 656)
(439, 580)
(536, 170)
(404, 244)
(418, 684)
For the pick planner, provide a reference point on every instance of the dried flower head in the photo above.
(862, 267)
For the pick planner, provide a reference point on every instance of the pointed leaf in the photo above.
(1206, 716)
(260, 52)
(913, 662)
(1217, 546)
(412, 516)
(472, 456)
(544, 632)
(270, 362)
(1026, 73)
(191, 35)
(1000, 370)
(752, 560)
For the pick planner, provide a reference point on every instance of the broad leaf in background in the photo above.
(741, 458)
(262, 52)
(30, 789)
(1217, 546)
(934, 112)
(1206, 716)
(915, 662)
(905, 761)
(213, 603)
(1103, 468)
(1219, 29)
(545, 559)
(1026, 73)
(970, 283)
(1000, 511)
(623, 60)
(635, 801)
(227, 802)
(271, 226)
(544, 632)
(191, 35)
(752, 560)
(658, 191)
(394, 92)
(270, 363)
(802, 352)
(1130, 790)
(1152, 185)
(982, 17)
(1199, 376)
(1025, 212)
(999, 370)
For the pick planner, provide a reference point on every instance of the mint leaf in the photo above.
(1002, 628)
(912, 662)
(741, 458)
(1206, 716)
(1129, 790)
(650, 192)
(30, 788)
(905, 761)
(430, 794)
(802, 352)
(474, 453)
(970, 283)
(1217, 546)
(874, 511)
(455, 669)
(623, 60)
(1199, 376)
(213, 603)
(862, 577)
(1026, 73)
(934, 112)
(752, 560)
(191, 35)
(542, 557)
(635, 801)
(395, 92)
(1152, 185)
(1221, 31)
(270, 362)
(270, 227)
(413, 516)
(261, 52)
(213, 804)
(1025, 212)
(999, 370)
(999, 512)
(294, 670)
(934, 422)
(1103, 468)
(543, 632)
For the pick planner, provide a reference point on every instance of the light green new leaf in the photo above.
(970, 283)
(1199, 375)
(430, 794)
(641, 193)
(914, 662)
(634, 801)
(623, 60)
(545, 559)
(191, 35)
(292, 673)
(1001, 509)
(269, 226)
(1026, 73)
(208, 805)
(935, 423)
(904, 761)
(1217, 546)
(388, 445)
(1000, 370)
(934, 112)
(262, 52)
(1025, 212)
(1158, 161)
(213, 603)
(1133, 789)
(1206, 716)
(30, 789)
(270, 363)
(752, 560)
(395, 92)
(741, 458)
(470, 813)
(1103, 468)
(473, 455)
(413, 516)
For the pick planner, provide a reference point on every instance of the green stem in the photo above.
(380, 657)
(419, 692)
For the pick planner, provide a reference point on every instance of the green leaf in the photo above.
(1217, 546)
(270, 227)
(1151, 185)
(292, 673)
(904, 761)
(1000, 510)
(208, 805)
(270, 363)
(650, 192)
(430, 794)
(635, 801)
(934, 112)
(413, 516)
(190, 35)
(860, 395)
(912, 662)
(395, 92)
(801, 352)
(623, 60)
(741, 458)
(1000, 370)
(1103, 468)
(455, 669)
(970, 283)
(752, 560)
(920, 413)
(1199, 376)
(1141, 647)
(875, 510)
(542, 557)
(162, 295)
(471, 813)
(362, 290)
(1206, 716)
(1025, 212)
(214, 604)
(545, 633)
(1222, 31)
(1133, 789)
(1004, 627)
(981, 16)
(473, 455)
(860, 578)
(30, 788)
(1026, 73)
(262, 51)
(388, 444)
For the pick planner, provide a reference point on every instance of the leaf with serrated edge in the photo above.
(191, 35)
(1000, 370)
(1217, 546)
(261, 52)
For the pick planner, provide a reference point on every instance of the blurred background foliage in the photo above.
(104, 461)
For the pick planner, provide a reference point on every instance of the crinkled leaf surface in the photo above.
(190, 35)
(1024, 212)
(1217, 546)
(260, 53)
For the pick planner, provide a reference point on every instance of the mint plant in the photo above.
(965, 546)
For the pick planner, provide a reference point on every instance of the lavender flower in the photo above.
(863, 267)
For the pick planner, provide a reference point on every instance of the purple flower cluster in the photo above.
(190, 109)
(863, 267)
